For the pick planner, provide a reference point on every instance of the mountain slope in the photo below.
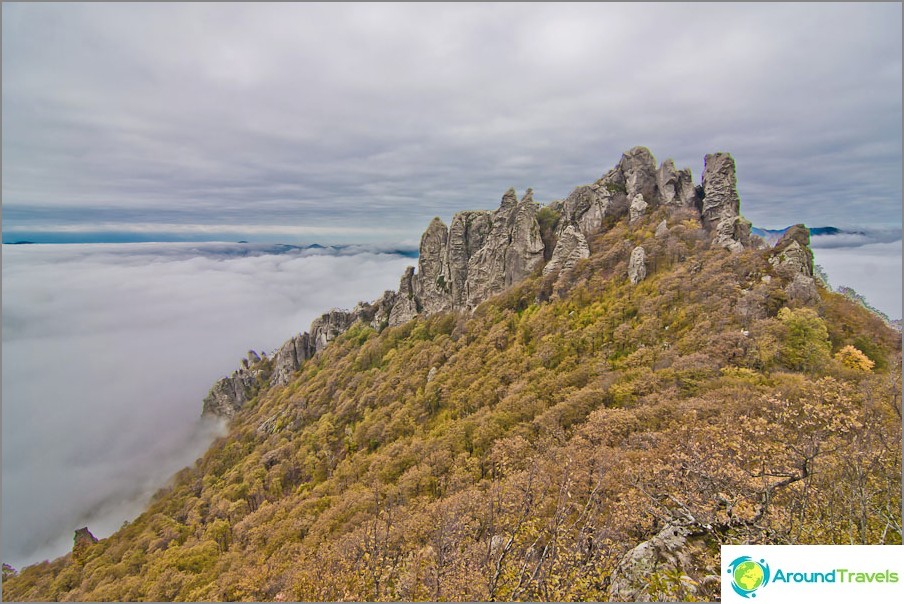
(523, 450)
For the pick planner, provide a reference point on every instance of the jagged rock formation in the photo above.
(484, 252)
(793, 251)
(228, 395)
(722, 204)
(792, 255)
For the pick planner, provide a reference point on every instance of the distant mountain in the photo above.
(579, 401)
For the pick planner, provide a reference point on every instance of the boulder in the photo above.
(637, 270)
(638, 207)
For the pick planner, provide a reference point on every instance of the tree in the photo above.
(806, 346)
(854, 359)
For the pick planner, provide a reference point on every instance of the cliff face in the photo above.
(484, 252)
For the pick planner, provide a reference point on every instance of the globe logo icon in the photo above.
(748, 575)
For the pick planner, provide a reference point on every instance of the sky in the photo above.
(359, 123)
(108, 352)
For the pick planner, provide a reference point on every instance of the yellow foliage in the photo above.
(854, 359)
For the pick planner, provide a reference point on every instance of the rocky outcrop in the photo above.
(677, 557)
(431, 286)
(662, 229)
(229, 394)
(289, 358)
(721, 206)
(571, 247)
(513, 249)
(482, 253)
(330, 326)
(676, 187)
(81, 543)
(637, 209)
(637, 268)
(792, 257)
(405, 307)
(792, 250)
(467, 235)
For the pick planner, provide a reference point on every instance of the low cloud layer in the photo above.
(108, 351)
(872, 269)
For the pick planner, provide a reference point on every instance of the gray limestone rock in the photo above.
(329, 326)
(676, 187)
(637, 270)
(587, 206)
(662, 229)
(570, 247)
(802, 289)
(404, 310)
(639, 169)
(513, 249)
(432, 288)
(405, 307)
(467, 234)
(721, 205)
(638, 208)
(289, 357)
(793, 250)
(229, 394)
(679, 551)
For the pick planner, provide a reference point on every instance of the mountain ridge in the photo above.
(483, 252)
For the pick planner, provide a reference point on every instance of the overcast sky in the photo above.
(340, 122)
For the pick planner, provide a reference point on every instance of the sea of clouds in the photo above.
(108, 351)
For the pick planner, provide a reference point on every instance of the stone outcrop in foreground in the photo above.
(481, 253)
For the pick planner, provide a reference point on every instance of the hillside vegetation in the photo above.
(519, 452)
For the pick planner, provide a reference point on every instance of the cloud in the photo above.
(109, 351)
(387, 115)
(874, 270)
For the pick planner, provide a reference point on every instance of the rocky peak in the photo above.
(676, 187)
(484, 252)
(431, 285)
(721, 206)
(639, 169)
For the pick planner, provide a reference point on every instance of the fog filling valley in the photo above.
(108, 352)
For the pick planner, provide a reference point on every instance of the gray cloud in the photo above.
(873, 270)
(389, 114)
(108, 351)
